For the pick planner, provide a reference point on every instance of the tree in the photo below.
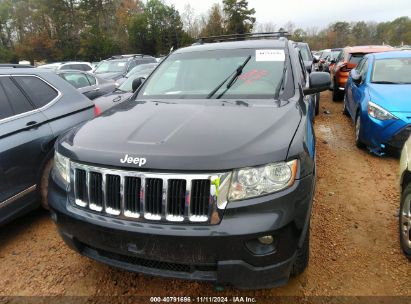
(299, 35)
(239, 18)
(214, 25)
(157, 29)
(339, 34)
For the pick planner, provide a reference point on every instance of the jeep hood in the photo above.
(201, 135)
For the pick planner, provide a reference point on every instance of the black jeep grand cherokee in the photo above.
(207, 174)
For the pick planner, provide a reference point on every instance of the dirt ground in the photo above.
(354, 237)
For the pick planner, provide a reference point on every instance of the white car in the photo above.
(68, 65)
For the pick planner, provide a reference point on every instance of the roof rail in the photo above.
(247, 36)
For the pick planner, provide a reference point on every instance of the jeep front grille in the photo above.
(141, 196)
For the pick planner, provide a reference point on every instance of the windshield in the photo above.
(325, 54)
(334, 55)
(393, 70)
(196, 74)
(111, 67)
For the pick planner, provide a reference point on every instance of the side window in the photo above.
(5, 108)
(19, 102)
(91, 79)
(359, 66)
(303, 69)
(364, 70)
(38, 91)
(77, 80)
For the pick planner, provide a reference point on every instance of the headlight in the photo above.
(257, 181)
(62, 168)
(378, 112)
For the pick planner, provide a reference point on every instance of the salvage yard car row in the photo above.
(207, 171)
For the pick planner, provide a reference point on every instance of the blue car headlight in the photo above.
(377, 112)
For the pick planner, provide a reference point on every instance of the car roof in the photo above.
(368, 48)
(393, 54)
(232, 45)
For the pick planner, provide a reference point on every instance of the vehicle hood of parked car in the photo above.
(111, 99)
(392, 97)
(200, 135)
(111, 75)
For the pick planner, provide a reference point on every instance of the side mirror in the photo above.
(137, 83)
(333, 61)
(356, 77)
(319, 82)
(315, 59)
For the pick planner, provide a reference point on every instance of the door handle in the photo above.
(96, 89)
(31, 123)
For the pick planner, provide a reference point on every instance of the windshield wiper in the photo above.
(232, 79)
(281, 84)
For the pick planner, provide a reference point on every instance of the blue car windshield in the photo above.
(392, 71)
(196, 74)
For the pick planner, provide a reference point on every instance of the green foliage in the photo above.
(239, 18)
(215, 22)
(158, 29)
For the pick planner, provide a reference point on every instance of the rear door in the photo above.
(24, 133)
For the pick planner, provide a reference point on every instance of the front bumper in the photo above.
(379, 134)
(227, 253)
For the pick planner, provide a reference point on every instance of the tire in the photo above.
(404, 221)
(337, 94)
(44, 183)
(303, 256)
(317, 104)
(358, 141)
(345, 110)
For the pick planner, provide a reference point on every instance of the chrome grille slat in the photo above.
(146, 196)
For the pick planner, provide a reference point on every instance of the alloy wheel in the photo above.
(405, 222)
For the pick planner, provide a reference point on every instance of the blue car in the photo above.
(378, 99)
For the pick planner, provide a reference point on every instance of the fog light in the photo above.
(262, 245)
(266, 240)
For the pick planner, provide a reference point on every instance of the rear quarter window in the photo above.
(38, 91)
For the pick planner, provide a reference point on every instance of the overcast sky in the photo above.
(309, 13)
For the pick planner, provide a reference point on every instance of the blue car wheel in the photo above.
(358, 141)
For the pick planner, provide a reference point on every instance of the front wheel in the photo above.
(44, 183)
(358, 141)
(405, 221)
